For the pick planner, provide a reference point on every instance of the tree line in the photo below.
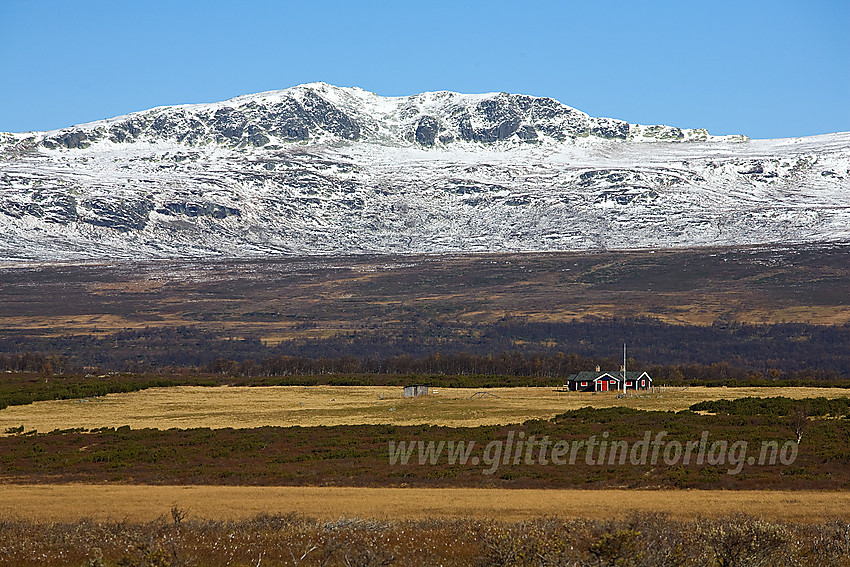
(516, 347)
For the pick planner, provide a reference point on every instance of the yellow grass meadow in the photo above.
(142, 503)
(245, 407)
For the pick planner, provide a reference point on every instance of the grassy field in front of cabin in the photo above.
(187, 407)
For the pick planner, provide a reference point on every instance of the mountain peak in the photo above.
(320, 113)
(320, 169)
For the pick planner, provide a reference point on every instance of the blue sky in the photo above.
(761, 68)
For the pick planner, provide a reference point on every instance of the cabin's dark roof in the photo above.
(590, 376)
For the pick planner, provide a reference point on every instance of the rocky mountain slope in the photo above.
(318, 169)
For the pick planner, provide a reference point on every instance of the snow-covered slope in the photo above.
(317, 169)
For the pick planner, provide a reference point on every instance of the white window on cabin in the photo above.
(642, 383)
(584, 383)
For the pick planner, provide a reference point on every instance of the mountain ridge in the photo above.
(517, 111)
(318, 169)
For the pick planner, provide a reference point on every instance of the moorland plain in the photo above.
(317, 297)
(235, 388)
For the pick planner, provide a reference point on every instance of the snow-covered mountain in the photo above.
(318, 169)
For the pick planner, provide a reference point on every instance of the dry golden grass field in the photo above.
(117, 502)
(245, 407)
